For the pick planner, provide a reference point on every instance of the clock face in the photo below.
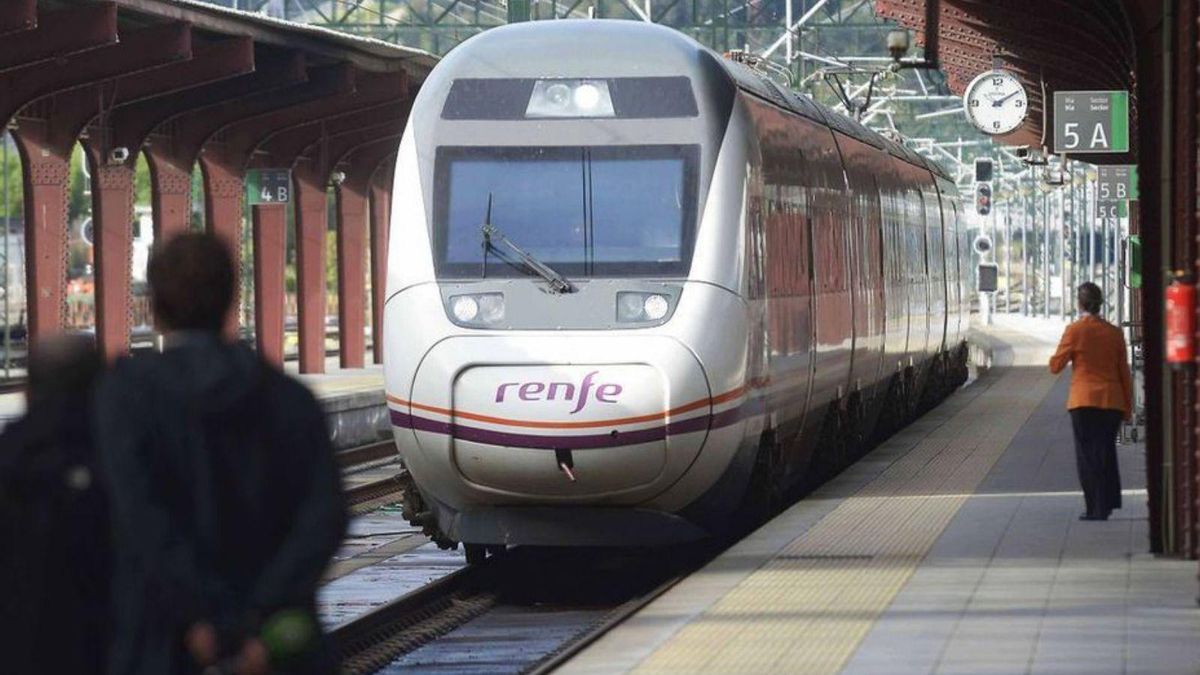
(995, 102)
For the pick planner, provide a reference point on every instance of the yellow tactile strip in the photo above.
(806, 610)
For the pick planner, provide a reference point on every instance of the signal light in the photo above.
(983, 169)
(983, 199)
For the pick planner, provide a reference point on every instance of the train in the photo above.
(637, 291)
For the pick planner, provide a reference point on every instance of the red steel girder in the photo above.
(18, 15)
(45, 177)
(352, 227)
(324, 142)
(112, 182)
(45, 135)
(112, 218)
(138, 50)
(268, 224)
(239, 139)
(231, 149)
(356, 229)
(308, 183)
(223, 173)
(270, 70)
(59, 34)
(170, 157)
(223, 179)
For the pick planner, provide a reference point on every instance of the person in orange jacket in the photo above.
(1101, 396)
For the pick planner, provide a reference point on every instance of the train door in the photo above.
(935, 228)
(864, 263)
(788, 275)
(833, 312)
(895, 297)
(965, 271)
(916, 271)
(954, 265)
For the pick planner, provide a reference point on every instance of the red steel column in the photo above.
(112, 197)
(351, 251)
(223, 187)
(46, 175)
(269, 223)
(381, 212)
(170, 196)
(311, 205)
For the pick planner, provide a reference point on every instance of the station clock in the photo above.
(995, 102)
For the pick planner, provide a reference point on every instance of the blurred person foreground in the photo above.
(226, 498)
(55, 562)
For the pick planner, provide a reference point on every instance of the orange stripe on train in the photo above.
(591, 424)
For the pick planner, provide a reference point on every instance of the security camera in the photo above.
(1054, 176)
(337, 177)
(118, 155)
(897, 43)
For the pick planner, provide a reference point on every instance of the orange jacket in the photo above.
(1100, 374)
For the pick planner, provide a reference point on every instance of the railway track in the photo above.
(533, 598)
(373, 475)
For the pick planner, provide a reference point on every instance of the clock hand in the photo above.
(1000, 101)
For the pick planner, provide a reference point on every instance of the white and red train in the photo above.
(634, 286)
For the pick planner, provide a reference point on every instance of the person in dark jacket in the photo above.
(226, 496)
(55, 558)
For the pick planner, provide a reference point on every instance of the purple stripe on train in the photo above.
(611, 439)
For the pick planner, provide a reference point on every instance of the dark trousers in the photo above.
(1096, 458)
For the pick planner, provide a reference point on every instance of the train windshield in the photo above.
(584, 211)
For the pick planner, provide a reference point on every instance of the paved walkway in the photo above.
(952, 548)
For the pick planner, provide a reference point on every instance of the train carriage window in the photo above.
(585, 211)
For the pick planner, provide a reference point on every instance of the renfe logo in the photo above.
(551, 391)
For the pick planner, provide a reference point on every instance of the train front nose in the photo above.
(562, 419)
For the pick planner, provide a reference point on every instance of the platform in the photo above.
(353, 400)
(952, 548)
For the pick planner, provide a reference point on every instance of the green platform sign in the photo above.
(1091, 121)
(268, 186)
(1117, 181)
(1112, 208)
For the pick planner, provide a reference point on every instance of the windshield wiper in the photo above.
(558, 283)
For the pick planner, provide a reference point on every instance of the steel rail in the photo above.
(373, 640)
(364, 454)
(622, 613)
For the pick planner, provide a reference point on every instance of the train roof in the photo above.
(757, 83)
(525, 50)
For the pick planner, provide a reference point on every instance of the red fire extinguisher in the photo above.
(1181, 321)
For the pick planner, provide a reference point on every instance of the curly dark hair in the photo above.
(191, 280)
(1091, 298)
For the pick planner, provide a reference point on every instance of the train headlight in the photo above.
(570, 98)
(655, 307)
(630, 306)
(465, 308)
(633, 307)
(477, 309)
(491, 307)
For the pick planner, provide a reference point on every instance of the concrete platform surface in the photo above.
(353, 399)
(955, 547)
